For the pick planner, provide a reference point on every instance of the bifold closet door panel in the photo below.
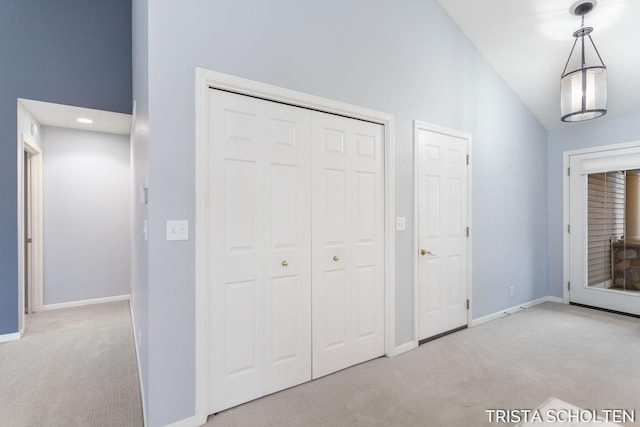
(348, 242)
(287, 238)
(259, 244)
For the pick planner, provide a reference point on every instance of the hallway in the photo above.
(73, 367)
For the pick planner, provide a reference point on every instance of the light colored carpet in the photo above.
(76, 367)
(587, 357)
(557, 412)
(73, 367)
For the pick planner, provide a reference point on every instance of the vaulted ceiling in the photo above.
(528, 43)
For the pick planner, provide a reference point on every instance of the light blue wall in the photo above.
(509, 200)
(69, 52)
(86, 206)
(603, 131)
(402, 57)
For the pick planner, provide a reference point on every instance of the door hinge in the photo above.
(568, 171)
(568, 228)
(468, 304)
(568, 286)
(467, 231)
(467, 159)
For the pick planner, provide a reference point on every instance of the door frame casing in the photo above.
(417, 127)
(566, 203)
(206, 80)
(36, 284)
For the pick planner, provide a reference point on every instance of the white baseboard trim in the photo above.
(193, 421)
(403, 348)
(10, 337)
(511, 310)
(84, 302)
(135, 343)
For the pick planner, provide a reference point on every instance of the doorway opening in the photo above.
(74, 163)
(442, 216)
(602, 234)
(31, 234)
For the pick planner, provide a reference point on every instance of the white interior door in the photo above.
(259, 222)
(581, 165)
(348, 242)
(28, 259)
(442, 238)
(31, 222)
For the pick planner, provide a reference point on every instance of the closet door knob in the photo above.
(336, 258)
(285, 263)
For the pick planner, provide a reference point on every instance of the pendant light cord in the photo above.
(583, 62)
(569, 58)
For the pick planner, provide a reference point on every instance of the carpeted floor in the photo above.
(587, 357)
(73, 367)
(76, 367)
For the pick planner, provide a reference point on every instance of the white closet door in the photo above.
(348, 242)
(287, 262)
(259, 213)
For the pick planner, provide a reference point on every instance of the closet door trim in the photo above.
(206, 80)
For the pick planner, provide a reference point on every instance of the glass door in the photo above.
(604, 239)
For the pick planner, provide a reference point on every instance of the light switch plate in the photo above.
(401, 223)
(178, 230)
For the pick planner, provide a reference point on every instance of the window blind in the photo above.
(605, 222)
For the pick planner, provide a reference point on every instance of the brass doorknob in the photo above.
(336, 258)
(285, 263)
(426, 252)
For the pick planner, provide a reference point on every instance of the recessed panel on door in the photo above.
(239, 126)
(430, 297)
(366, 213)
(284, 319)
(336, 302)
(334, 142)
(335, 193)
(431, 207)
(239, 205)
(455, 208)
(240, 328)
(365, 322)
(284, 221)
(455, 282)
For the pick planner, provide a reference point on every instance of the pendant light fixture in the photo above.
(583, 91)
